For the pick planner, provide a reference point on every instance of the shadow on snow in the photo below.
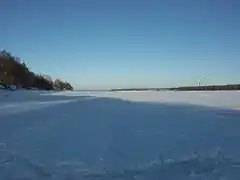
(111, 135)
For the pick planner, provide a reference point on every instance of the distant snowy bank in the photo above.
(220, 99)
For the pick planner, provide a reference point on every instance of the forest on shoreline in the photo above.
(14, 71)
(228, 87)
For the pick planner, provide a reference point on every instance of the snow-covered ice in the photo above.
(119, 135)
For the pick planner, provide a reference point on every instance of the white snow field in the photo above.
(119, 135)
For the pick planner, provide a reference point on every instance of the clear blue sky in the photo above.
(125, 43)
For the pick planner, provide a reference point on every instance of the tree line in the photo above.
(228, 87)
(13, 71)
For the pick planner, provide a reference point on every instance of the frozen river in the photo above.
(120, 135)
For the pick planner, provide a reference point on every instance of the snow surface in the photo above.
(119, 135)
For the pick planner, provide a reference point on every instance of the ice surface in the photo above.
(120, 135)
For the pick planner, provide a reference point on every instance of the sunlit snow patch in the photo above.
(13, 108)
